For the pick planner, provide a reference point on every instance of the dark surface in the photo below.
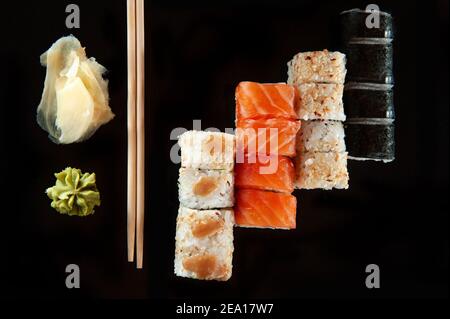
(394, 215)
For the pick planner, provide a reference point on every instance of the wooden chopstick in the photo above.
(131, 181)
(140, 115)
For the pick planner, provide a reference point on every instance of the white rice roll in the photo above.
(205, 189)
(207, 150)
(321, 136)
(204, 244)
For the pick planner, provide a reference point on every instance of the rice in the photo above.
(207, 150)
(204, 244)
(319, 101)
(205, 189)
(321, 136)
(317, 66)
(316, 170)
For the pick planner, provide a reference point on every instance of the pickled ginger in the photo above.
(75, 100)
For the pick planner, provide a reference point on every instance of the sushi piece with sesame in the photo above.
(204, 244)
(317, 67)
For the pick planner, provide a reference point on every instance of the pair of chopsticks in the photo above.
(136, 130)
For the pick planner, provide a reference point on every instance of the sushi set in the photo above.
(296, 135)
(293, 135)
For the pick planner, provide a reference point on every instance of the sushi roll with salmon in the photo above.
(206, 189)
(263, 101)
(272, 173)
(260, 209)
(204, 244)
(267, 136)
(207, 150)
(267, 125)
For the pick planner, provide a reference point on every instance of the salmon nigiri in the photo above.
(260, 209)
(256, 136)
(256, 100)
(272, 173)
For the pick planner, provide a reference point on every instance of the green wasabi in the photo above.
(74, 194)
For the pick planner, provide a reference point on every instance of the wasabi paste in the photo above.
(75, 194)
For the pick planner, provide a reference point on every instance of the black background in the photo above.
(394, 215)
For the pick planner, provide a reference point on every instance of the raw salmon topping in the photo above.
(267, 136)
(207, 227)
(255, 100)
(256, 175)
(203, 265)
(205, 186)
(215, 145)
(256, 208)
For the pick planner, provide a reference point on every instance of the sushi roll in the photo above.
(204, 244)
(370, 60)
(319, 101)
(317, 66)
(317, 170)
(369, 100)
(274, 173)
(371, 140)
(259, 209)
(353, 24)
(207, 150)
(321, 136)
(262, 101)
(206, 189)
(267, 136)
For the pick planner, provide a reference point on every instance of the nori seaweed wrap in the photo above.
(370, 60)
(370, 140)
(353, 25)
(368, 100)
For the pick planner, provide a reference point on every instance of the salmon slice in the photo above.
(252, 138)
(260, 209)
(256, 100)
(273, 173)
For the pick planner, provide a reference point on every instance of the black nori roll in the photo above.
(370, 60)
(353, 25)
(368, 100)
(370, 140)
